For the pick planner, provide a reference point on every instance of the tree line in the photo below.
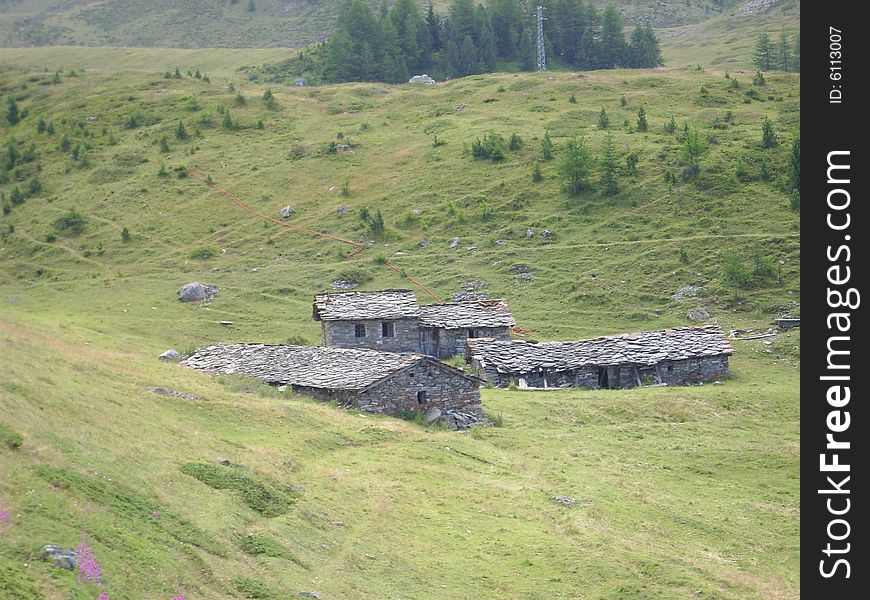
(782, 54)
(390, 45)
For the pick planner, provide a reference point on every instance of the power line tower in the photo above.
(542, 57)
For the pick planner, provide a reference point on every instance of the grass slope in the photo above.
(727, 41)
(679, 491)
(273, 23)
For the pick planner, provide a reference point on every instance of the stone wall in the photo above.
(342, 334)
(452, 341)
(444, 389)
(683, 372)
(694, 370)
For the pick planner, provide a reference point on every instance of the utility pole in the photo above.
(542, 57)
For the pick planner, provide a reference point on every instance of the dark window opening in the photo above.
(386, 330)
(421, 398)
(670, 368)
(359, 330)
(603, 380)
(472, 334)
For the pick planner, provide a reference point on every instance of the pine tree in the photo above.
(269, 99)
(575, 164)
(783, 53)
(694, 149)
(609, 165)
(794, 165)
(641, 119)
(603, 121)
(12, 114)
(612, 38)
(763, 56)
(768, 135)
(796, 52)
(546, 147)
(180, 131)
(164, 144)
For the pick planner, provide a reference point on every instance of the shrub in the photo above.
(641, 119)
(575, 164)
(9, 437)
(72, 223)
(603, 121)
(164, 144)
(180, 131)
(203, 253)
(491, 147)
(537, 176)
(758, 79)
(623, 102)
(251, 588)
(125, 235)
(259, 496)
(515, 142)
(573, 98)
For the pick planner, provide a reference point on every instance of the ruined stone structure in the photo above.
(681, 356)
(367, 379)
(392, 320)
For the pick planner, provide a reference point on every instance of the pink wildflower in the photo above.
(53, 487)
(178, 598)
(155, 514)
(4, 516)
(89, 568)
(103, 596)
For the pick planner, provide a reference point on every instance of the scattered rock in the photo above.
(171, 354)
(458, 420)
(546, 234)
(564, 499)
(520, 268)
(195, 291)
(460, 106)
(467, 297)
(698, 314)
(454, 242)
(471, 248)
(10, 299)
(423, 243)
(342, 211)
(344, 284)
(423, 79)
(499, 242)
(754, 6)
(287, 211)
(223, 461)
(530, 232)
(62, 559)
(162, 391)
(520, 277)
(687, 291)
(433, 414)
(473, 285)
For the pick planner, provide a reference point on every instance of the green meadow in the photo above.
(678, 492)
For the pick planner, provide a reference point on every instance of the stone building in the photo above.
(368, 379)
(392, 320)
(681, 356)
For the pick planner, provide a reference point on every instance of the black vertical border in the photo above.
(828, 127)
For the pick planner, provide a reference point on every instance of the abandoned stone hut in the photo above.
(392, 320)
(681, 356)
(367, 379)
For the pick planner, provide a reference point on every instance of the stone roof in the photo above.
(384, 304)
(308, 366)
(455, 315)
(402, 304)
(643, 349)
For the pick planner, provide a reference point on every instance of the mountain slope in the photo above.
(205, 23)
(677, 490)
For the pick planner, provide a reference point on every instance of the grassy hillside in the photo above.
(230, 23)
(678, 491)
(727, 41)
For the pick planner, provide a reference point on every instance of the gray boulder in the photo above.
(62, 559)
(433, 414)
(454, 242)
(196, 291)
(171, 354)
(423, 79)
(698, 314)
(287, 211)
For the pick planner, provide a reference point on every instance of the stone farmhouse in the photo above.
(680, 356)
(393, 321)
(382, 382)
